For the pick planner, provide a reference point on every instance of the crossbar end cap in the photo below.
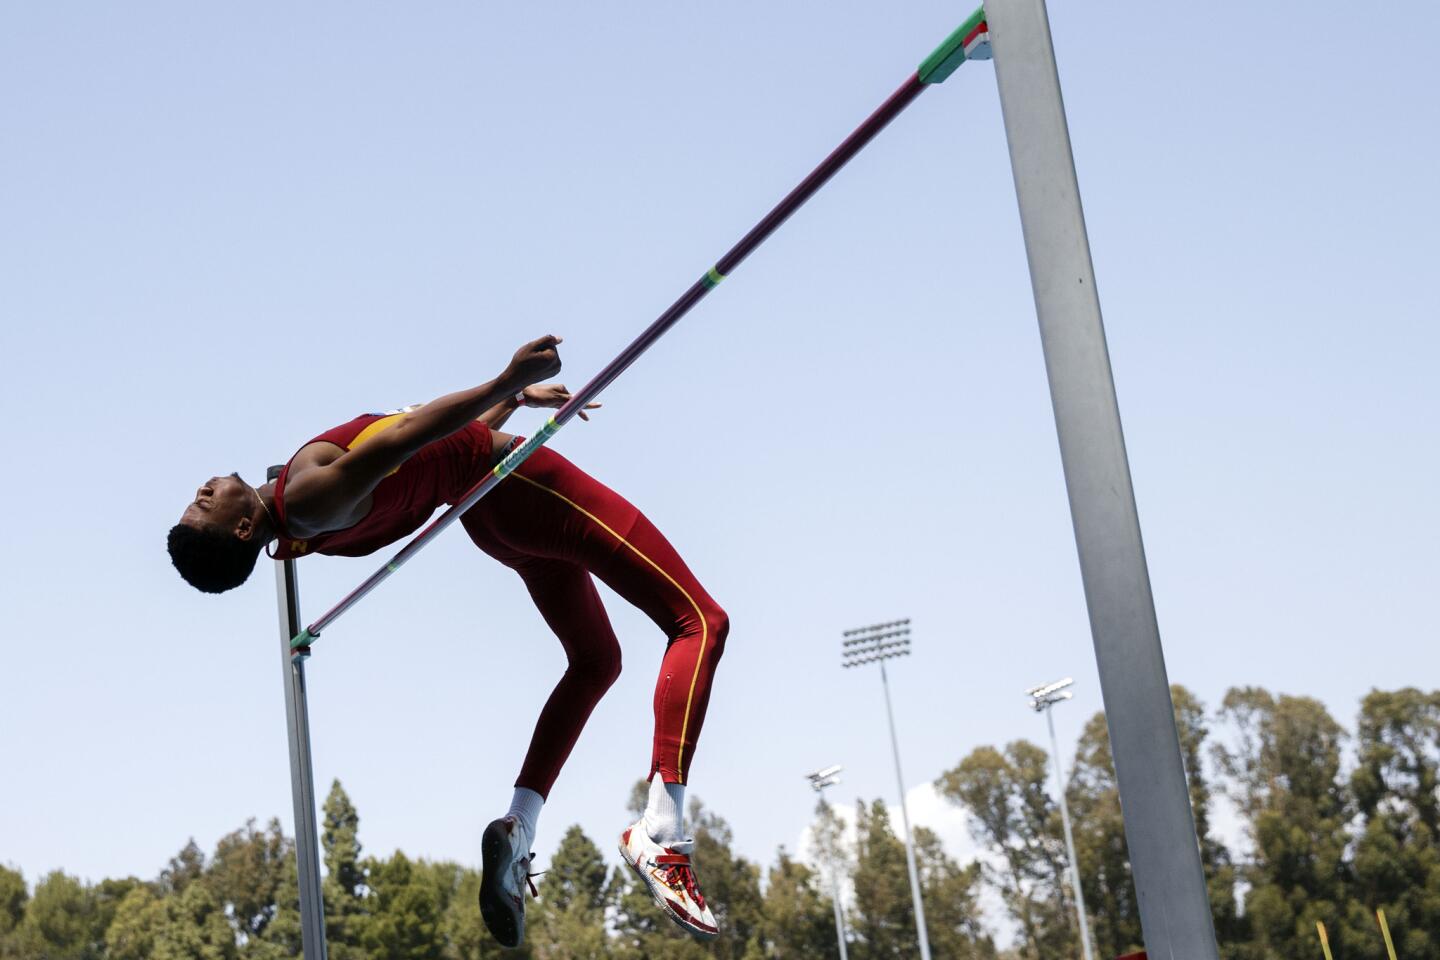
(970, 41)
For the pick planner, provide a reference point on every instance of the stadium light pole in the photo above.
(821, 779)
(1042, 698)
(876, 644)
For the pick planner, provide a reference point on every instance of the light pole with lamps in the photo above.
(1042, 698)
(821, 779)
(876, 644)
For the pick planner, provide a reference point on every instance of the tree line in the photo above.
(1329, 836)
(1335, 826)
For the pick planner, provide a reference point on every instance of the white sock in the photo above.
(525, 808)
(665, 811)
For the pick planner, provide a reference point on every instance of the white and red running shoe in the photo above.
(505, 860)
(669, 875)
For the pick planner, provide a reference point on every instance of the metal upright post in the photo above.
(878, 644)
(1159, 824)
(302, 779)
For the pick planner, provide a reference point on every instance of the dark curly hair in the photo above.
(211, 560)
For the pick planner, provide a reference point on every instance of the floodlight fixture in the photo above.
(1049, 693)
(881, 641)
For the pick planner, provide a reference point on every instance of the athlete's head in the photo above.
(220, 534)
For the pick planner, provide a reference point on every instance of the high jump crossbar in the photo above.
(970, 41)
(1149, 768)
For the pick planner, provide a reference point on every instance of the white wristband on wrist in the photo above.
(520, 399)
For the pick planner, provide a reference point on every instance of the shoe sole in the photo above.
(506, 925)
(680, 919)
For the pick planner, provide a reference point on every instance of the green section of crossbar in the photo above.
(947, 57)
(301, 639)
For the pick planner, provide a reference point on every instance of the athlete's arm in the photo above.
(495, 417)
(554, 395)
(326, 495)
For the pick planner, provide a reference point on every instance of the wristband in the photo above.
(520, 399)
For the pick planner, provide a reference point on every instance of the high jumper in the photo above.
(365, 484)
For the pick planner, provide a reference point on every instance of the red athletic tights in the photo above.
(555, 526)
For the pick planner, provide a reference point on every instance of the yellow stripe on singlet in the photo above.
(704, 624)
(377, 426)
(374, 428)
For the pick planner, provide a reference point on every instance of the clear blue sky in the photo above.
(224, 228)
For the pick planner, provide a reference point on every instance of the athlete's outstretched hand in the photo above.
(537, 360)
(552, 395)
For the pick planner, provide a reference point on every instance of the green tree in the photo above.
(1396, 787)
(829, 835)
(1105, 878)
(62, 921)
(185, 925)
(1011, 815)
(281, 938)
(246, 874)
(568, 920)
(1284, 775)
(138, 920)
(14, 894)
(798, 919)
(1106, 881)
(953, 918)
(195, 927)
(184, 868)
(883, 917)
(405, 907)
(731, 883)
(576, 875)
(344, 876)
(463, 928)
(1221, 874)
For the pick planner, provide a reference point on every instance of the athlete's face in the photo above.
(225, 502)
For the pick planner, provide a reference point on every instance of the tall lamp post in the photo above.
(1042, 698)
(876, 644)
(821, 779)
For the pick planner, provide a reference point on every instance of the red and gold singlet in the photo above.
(440, 473)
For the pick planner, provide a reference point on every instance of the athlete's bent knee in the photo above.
(718, 622)
(600, 670)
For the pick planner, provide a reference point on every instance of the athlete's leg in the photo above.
(550, 508)
(566, 597)
(652, 576)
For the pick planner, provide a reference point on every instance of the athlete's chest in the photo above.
(307, 516)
